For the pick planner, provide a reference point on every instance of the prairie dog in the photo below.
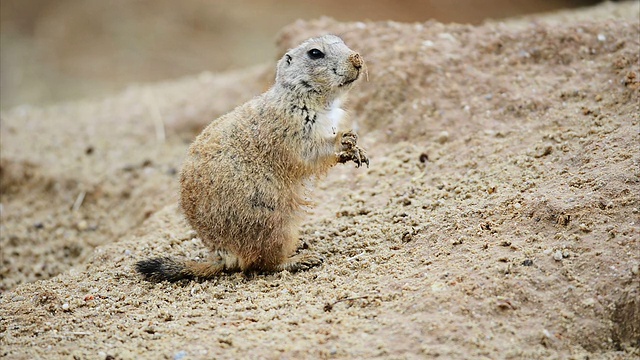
(243, 181)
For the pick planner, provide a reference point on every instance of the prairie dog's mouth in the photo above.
(349, 81)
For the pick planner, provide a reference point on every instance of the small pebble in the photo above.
(602, 37)
(65, 306)
(82, 225)
(180, 355)
(443, 137)
(517, 206)
(438, 286)
(557, 256)
(427, 43)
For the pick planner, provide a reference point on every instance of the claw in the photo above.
(355, 154)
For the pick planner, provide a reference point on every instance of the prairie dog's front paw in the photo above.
(349, 140)
(355, 154)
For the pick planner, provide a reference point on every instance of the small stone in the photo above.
(584, 228)
(557, 256)
(407, 236)
(180, 355)
(438, 286)
(65, 306)
(635, 269)
(517, 206)
(82, 225)
(543, 151)
(602, 37)
(443, 137)
(527, 262)
(427, 43)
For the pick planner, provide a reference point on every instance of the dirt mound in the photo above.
(499, 217)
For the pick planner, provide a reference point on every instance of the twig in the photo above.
(78, 202)
(79, 333)
(356, 256)
(154, 110)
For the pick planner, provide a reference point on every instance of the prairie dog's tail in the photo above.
(167, 269)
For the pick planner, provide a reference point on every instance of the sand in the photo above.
(499, 218)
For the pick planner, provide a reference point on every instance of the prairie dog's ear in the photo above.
(288, 58)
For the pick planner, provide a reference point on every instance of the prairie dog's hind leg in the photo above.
(300, 262)
(281, 254)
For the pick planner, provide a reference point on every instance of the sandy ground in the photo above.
(499, 219)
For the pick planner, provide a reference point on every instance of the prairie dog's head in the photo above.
(321, 65)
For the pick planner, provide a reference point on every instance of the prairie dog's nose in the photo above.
(356, 60)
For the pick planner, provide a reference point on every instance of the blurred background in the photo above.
(59, 50)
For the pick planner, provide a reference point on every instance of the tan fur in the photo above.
(242, 183)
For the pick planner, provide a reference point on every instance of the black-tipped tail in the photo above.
(163, 269)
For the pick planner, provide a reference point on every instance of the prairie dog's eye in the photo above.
(315, 54)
